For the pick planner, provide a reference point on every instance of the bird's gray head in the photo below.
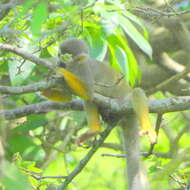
(74, 47)
(70, 49)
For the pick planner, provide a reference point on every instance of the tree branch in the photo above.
(180, 103)
(39, 177)
(87, 158)
(158, 124)
(155, 12)
(157, 154)
(171, 65)
(40, 108)
(26, 55)
(105, 104)
(171, 79)
(39, 86)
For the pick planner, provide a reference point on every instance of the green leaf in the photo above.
(122, 60)
(12, 178)
(19, 143)
(118, 57)
(45, 53)
(25, 146)
(3, 68)
(56, 166)
(132, 32)
(40, 14)
(133, 69)
(33, 122)
(98, 47)
(112, 42)
(26, 6)
(122, 57)
(133, 18)
(136, 20)
(109, 22)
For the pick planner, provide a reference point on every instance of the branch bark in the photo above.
(39, 86)
(105, 104)
(174, 78)
(87, 158)
(26, 55)
(42, 107)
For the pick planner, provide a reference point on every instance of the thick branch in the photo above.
(157, 75)
(41, 108)
(156, 106)
(174, 78)
(39, 86)
(26, 55)
(105, 104)
(171, 65)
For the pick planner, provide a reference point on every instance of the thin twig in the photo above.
(87, 158)
(158, 124)
(171, 79)
(39, 177)
(180, 183)
(114, 155)
(155, 12)
(49, 177)
(157, 154)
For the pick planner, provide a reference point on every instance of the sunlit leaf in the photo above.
(26, 6)
(132, 32)
(122, 59)
(45, 53)
(91, 25)
(12, 178)
(133, 69)
(40, 14)
(98, 47)
(112, 42)
(133, 18)
(126, 62)
(109, 22)
(137, 21)
(56, 166)
(184, 141)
